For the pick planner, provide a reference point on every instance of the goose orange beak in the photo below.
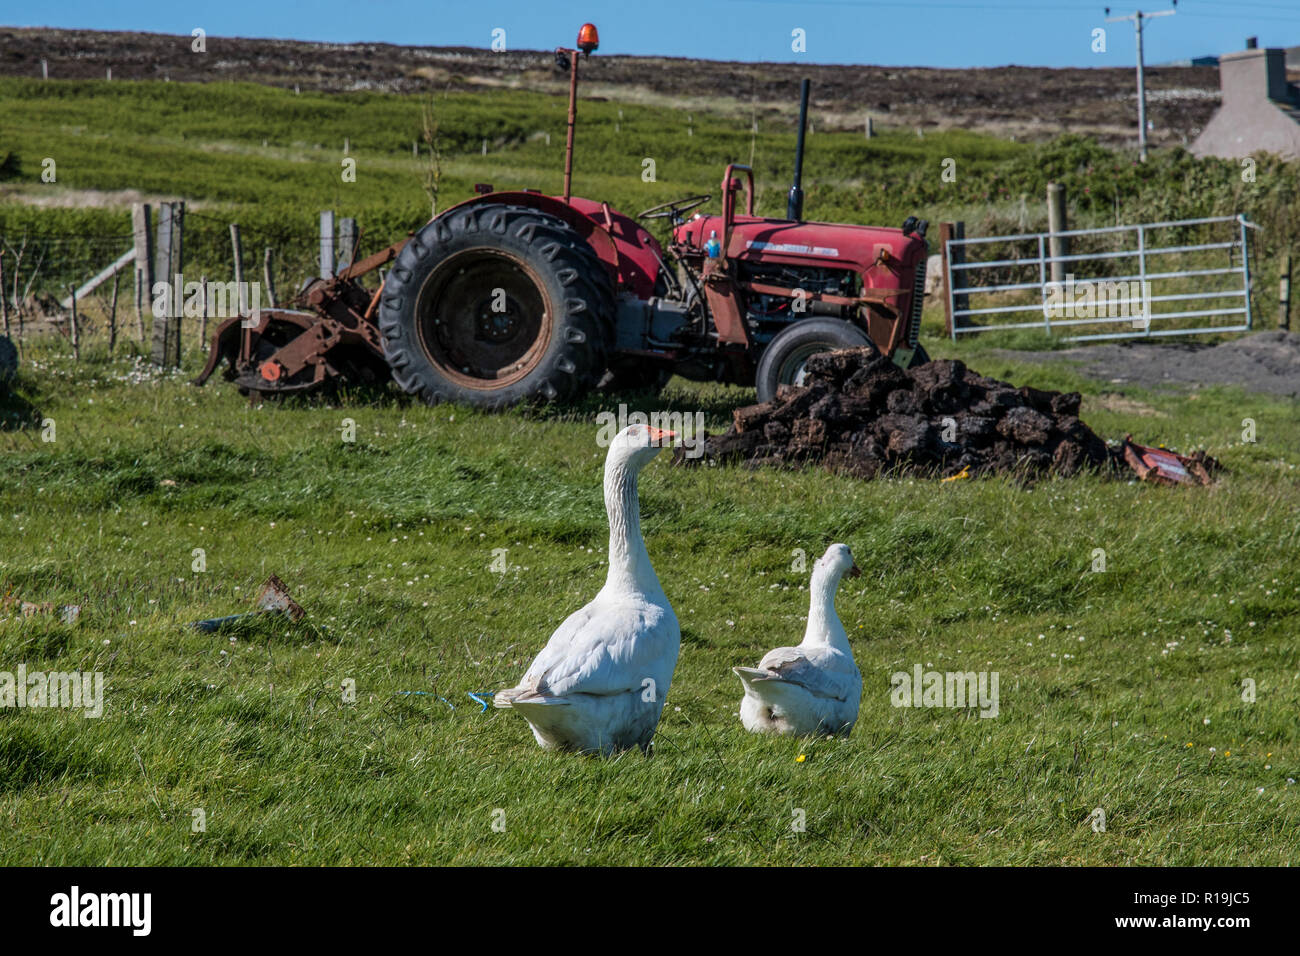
(657, 435)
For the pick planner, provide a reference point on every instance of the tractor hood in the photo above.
(863, 249)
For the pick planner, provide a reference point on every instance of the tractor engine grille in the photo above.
(918, 302)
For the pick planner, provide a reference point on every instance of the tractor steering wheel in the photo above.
(674, 209)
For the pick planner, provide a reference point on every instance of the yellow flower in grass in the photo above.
(801, 758)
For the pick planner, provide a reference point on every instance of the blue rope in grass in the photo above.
(476, 696)
(425, 693)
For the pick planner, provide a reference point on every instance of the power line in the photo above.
(1137, 19)
(973, 7)
(1246, 3)
(1240, 17)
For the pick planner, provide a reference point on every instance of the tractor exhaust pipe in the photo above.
(794, 206)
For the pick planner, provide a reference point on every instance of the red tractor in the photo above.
(516, 296)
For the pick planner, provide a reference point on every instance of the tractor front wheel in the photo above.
(495, 305)
(782, 362)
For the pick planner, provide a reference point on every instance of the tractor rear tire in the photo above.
(783, 360)
(495, 305)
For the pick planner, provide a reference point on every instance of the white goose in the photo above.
(599, 684)
(813, 688)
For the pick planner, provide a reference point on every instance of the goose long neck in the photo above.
(629, 562)
(824, 627)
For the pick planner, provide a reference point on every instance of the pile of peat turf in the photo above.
(860, 414)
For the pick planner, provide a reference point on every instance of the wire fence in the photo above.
(40, 269)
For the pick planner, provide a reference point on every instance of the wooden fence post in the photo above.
(1057, 245)
(237, 250)
(326, 243)
(203, 318)
(141, 227)
(112, 317)
(1284, 295)
(76, 334)
(162, 271)
(178, 257)
(139, 306)
(347, 242)
(168, 255)
(270, 279)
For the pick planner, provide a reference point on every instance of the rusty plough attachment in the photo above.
(331, 332)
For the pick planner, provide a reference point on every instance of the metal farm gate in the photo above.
(1186, 277)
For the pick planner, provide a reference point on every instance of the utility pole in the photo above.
(1137, 19)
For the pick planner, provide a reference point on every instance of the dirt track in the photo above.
(1026, 102)
(1267, 362)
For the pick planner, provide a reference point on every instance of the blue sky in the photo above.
(903, 32)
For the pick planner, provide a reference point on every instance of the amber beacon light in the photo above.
(588, 38)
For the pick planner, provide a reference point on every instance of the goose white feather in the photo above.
(599, 684)
(814, 688)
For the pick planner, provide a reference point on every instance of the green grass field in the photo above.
(1120, 690)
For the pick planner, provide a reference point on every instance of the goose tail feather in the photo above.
(750, 675)
(771, 689)
(524, 699)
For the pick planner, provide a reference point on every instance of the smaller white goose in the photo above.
(814, 688)
(599, 684)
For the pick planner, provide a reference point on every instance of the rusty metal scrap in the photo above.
(1165, 467)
